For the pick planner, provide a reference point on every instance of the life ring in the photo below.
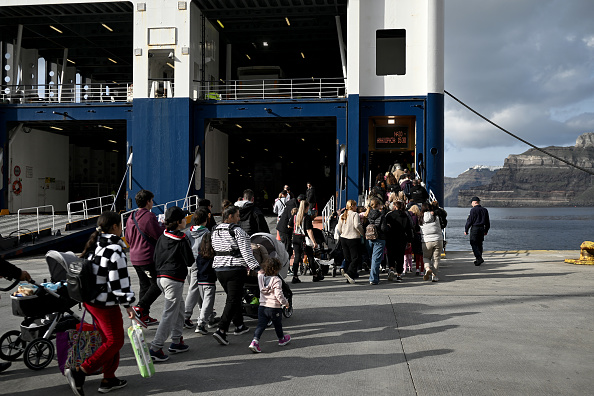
(17, 187)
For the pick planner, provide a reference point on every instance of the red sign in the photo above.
(17, 171)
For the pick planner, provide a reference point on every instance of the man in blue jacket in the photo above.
(478, 219)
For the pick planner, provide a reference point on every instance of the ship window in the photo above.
(390, 56)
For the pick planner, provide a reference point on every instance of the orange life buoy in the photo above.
(17, 187)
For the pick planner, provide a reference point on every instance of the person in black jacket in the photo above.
(418, 193)
(252, 219)
(399, 234)
(310, 195)
(11, 271)
(173, 256)
(478, 219)
(286, 232)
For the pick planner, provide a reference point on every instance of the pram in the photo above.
(321, 257)
(251, 290)
(46, 312)
(334, 256)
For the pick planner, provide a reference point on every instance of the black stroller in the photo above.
(46, 311)
(251, 291)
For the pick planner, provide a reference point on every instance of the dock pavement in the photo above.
(520, 324)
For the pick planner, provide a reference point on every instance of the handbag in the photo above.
(141, 350)
(73, 347)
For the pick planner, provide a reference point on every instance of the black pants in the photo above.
(287, 241)
(300, 247)
(477, 236)
(396, 250)
(149, 290)
(351, 249)
(232, 282)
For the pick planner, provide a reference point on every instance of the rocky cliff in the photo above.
(473, 177)
(536, 179)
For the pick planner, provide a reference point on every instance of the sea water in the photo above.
(525, 228)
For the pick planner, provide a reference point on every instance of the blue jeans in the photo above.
(264, 315)
(375, 250)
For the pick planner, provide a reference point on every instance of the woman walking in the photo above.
(400, 233)
(350, 229)
(432, 240)
(105, 249)
(302, 225)
(375, 247)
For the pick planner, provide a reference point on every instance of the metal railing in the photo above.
(189, 203)
(67, 93)
(305, 88)
(161, 89)
(36, 208)
(327, 213)
(86, 206)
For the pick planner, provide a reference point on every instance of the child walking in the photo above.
(173, 256)
(202, 276)
(272, 300)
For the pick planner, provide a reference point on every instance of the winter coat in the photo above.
(173, 255)
(141, 250)
(251, 218)
(271, 292)
(431, 229)
(352, 228)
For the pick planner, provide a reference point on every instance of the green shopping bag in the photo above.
(141, 350)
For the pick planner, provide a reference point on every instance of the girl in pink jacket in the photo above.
(272, 301)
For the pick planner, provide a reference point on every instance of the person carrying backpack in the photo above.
(252, 219)
(105, 249)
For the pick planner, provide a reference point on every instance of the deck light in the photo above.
(265, 43)
(105, 126)
(248, 56)
(238, 126)
(74, 63)
(288, 23)
(107, 27)
(220, 23)
(247, 140)
(265, 149)
(112, 141)
(59, 129)
(302, 55)
(56, 29)
(391, 121)
(112, 60)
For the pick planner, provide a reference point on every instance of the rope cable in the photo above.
(517, 137)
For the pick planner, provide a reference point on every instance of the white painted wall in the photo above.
(39, 155)
(215, 165)
(424, 44)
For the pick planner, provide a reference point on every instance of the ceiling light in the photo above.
(220, 23)
(115, 151)
(71, 61)
(233, 162)
(112, 60)
(56, 29)
(170, 65)
(265, 43)
(238, 126)
(248, 56)
(265, 149)
(112, 141)
(59, 129)
(288, 125)
(391, 121)
(105, 126)
(280, 156)
(302, 139)
(302, 55)
(107, 27)
(288, 23)
(247, 140)
(223, 81)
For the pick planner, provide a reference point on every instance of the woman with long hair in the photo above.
(375, 247)
(400, 233)
(432, 241)
(417, 247)
(105, 249)
(302, 225)
(350, 229)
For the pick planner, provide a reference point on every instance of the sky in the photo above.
(528, 65)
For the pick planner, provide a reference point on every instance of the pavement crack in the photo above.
(402, 347)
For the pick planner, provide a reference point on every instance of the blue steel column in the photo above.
(352, 184)
(435, 140)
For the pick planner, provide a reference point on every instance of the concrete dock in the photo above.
(520, 324)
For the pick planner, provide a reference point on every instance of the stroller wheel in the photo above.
(333, 272)
(11, 345)
(288, 312)
(39, 353)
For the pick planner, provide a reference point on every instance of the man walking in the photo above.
(310, 195)
(252, 219)
(478, 219)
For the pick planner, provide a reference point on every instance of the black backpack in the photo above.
(443, 221)
(81, 282)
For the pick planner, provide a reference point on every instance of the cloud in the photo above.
(526, 65)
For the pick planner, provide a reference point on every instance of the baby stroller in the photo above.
(46, 312)
(321, 259)
(251, 290)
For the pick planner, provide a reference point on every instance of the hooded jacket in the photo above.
(173, 255)
(271, 292)
(205, 274)
(251, 218)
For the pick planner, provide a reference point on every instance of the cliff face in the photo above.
(536, 179)
(473, 177)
